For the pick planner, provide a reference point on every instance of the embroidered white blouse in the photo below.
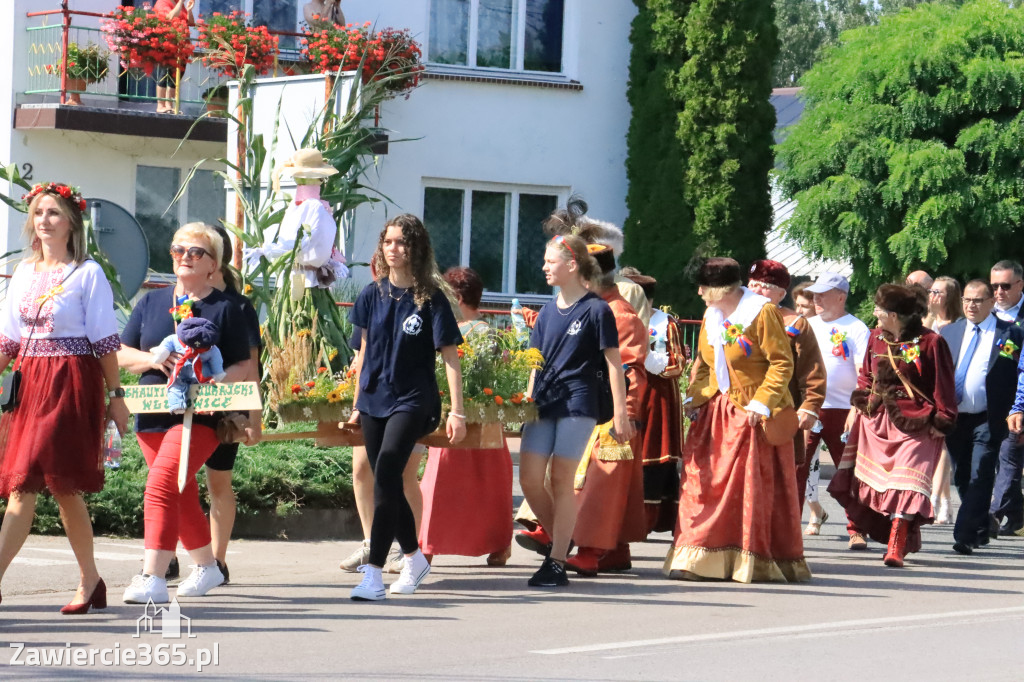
(76, 316)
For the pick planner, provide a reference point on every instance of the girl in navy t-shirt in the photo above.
(576, 334)
(404, 318)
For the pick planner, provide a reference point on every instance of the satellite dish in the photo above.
(121, 238)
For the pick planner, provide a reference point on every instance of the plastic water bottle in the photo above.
(518, 321)
(818, 426)
(112, 446)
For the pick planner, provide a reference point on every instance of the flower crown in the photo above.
(72, 194)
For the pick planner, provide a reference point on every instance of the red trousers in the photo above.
(832, 423)
(170, 515)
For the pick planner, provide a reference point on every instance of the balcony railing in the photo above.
(122, 87)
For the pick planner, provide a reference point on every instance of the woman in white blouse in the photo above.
(58, 321)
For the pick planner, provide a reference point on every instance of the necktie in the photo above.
(961, 371)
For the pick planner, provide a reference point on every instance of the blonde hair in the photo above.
(715, 294)
(202, 231)
(573, 248)
(77, 246)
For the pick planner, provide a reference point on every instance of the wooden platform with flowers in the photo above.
(495, 374)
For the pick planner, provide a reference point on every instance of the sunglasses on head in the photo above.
(193, 252)
(1003, 286)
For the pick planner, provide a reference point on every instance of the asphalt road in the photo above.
(287, 616)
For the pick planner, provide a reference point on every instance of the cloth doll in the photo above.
(200, 361)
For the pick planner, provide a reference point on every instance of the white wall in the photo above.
(512, 134)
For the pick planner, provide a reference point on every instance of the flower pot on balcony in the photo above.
(76, 86)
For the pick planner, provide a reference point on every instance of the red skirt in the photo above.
(467, 502)
(885, 471)
(737, 520)
(53, 439)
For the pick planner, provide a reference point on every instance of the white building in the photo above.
(524, 103)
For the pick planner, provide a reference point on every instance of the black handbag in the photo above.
(10, 387)
(605, 402)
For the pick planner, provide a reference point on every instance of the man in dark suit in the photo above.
(985, 350)
(1007, 279)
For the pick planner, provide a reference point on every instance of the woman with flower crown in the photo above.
(732, 473)
(904, 404)
(58, 327)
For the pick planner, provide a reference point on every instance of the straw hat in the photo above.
(305, 163)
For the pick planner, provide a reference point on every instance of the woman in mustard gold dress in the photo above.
(737, 520)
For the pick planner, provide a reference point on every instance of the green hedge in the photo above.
(283, 477)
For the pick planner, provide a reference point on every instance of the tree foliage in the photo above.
(654, 166)
(910, 150)
(701, 69)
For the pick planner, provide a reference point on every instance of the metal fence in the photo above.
(45, 56)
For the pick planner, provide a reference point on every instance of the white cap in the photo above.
(828, 281)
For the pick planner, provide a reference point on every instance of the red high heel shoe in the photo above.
(97, 600)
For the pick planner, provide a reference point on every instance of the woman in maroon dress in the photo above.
(467, 492)
(904, 404)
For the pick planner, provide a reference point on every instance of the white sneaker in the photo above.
(145, 587)
(202, 580)
(372, 586)
(357, 558)
(395, 561)
(413, 572)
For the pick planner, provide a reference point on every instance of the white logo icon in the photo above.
(170, 621)
(574, 328)
(412, 325)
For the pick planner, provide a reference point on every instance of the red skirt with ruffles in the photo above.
(885, 471)
(53, 439)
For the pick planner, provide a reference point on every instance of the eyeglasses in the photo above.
(193, 252)
(1003, 286)
(936, 292)
(973, 301)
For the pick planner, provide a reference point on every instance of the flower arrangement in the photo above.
(72, 194)
(911, 353)
(230, 41)
(87, 63)
(335, 48)
(145, 40)
(301, 390)
(495, 376)
(733, 333)
(840, 348)
(390, 56)
(182, 309)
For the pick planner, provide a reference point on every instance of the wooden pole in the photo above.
(64, 41)
(241, 151)
(186, 440)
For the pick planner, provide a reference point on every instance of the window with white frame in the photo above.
(155, 187)
(520, 35)
(497, 233)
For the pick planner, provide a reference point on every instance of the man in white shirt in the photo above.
(1007, 279)
(842, 340)
(986, 384)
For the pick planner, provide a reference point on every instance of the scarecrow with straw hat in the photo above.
(304, 249)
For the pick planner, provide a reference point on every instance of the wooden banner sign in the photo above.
(242, 396)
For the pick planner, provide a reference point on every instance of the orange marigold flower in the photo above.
(517, 398)
(498, 399)
(529, 400)
(321, 370)
(296, 388)
(488, 391)
(310, 384)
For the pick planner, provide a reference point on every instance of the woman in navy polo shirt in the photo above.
(405, 318)
(576, 334)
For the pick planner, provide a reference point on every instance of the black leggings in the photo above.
(389, 442)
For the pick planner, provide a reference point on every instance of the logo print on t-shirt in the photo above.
(412, 325)
(574, 328)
